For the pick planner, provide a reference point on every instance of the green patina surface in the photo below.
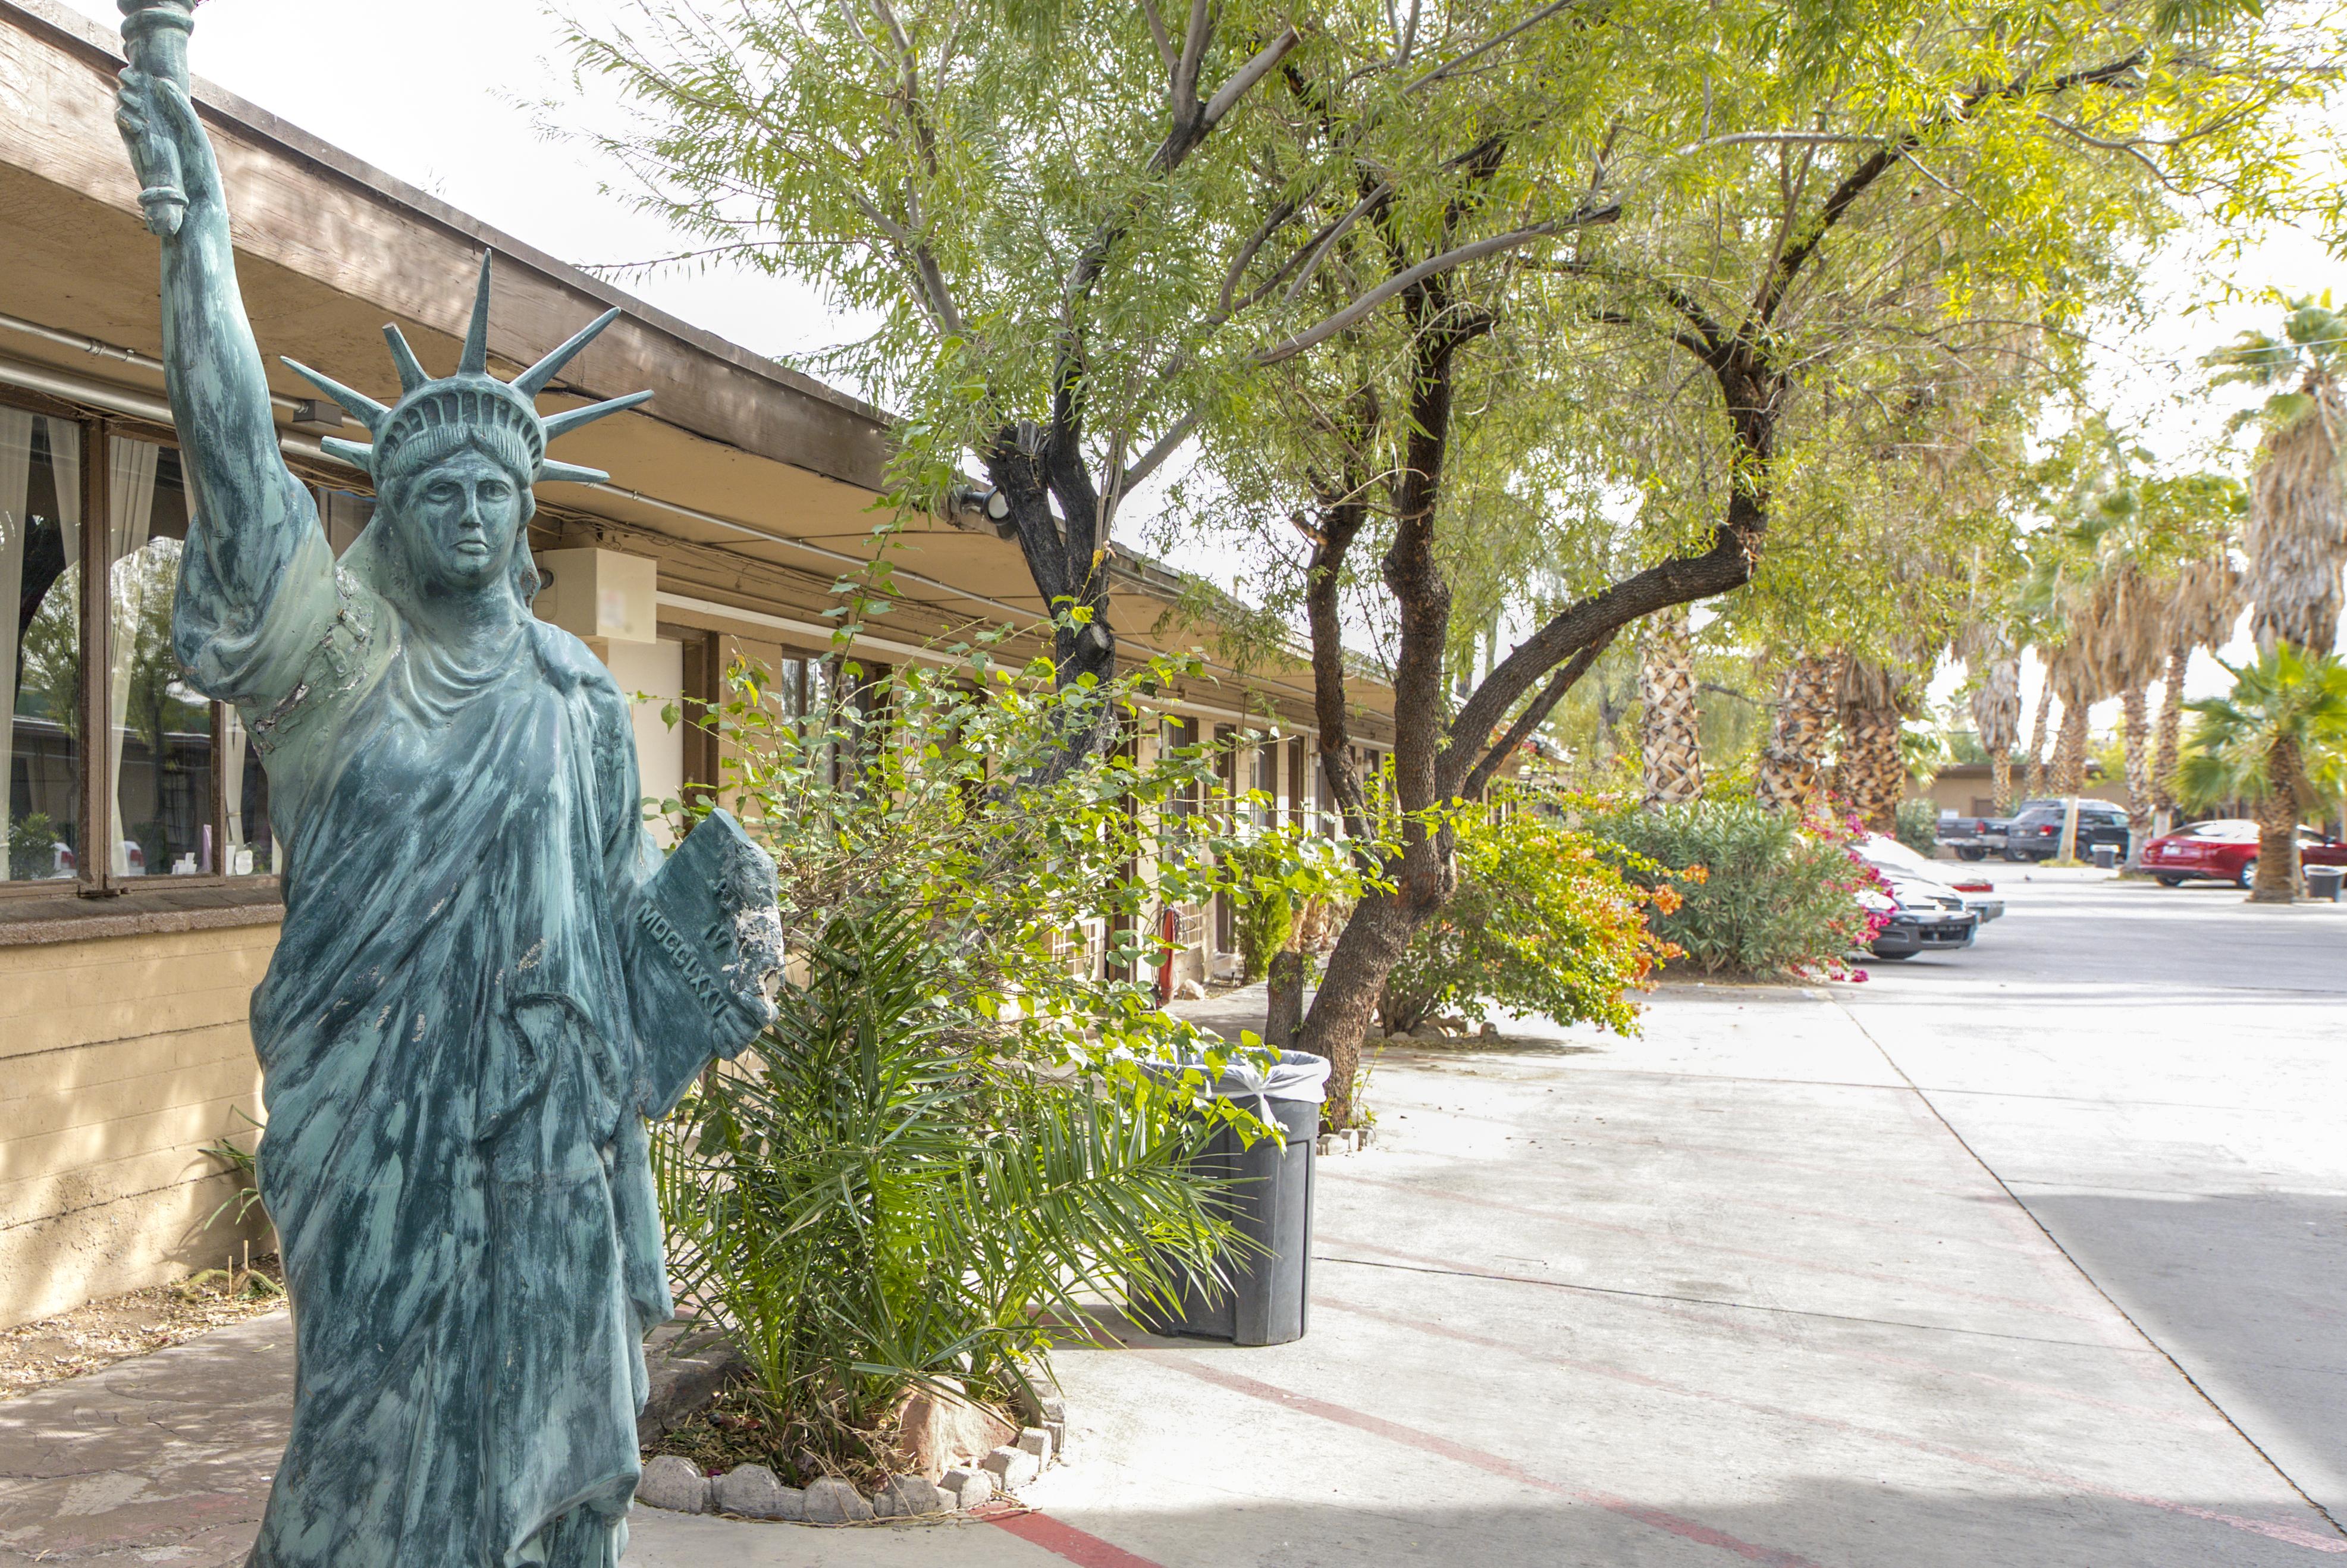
(488, 978)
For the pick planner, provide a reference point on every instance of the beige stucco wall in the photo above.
(120, 1059)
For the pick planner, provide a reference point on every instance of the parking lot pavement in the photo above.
(1730, 1293)
(2160, 1075)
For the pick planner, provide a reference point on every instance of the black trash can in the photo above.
(1268, 1298)
(2323, 881)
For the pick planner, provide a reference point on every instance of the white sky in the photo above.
(439, 93)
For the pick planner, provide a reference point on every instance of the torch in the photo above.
(155, 35)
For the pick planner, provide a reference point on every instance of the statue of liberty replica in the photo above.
(488, 977)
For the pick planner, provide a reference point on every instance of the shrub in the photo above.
(946, 1137)
(1777, 896)
(1918, 826)
(881, 1202)
(1544, 922)
(1267, 917)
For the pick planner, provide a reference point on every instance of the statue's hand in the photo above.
(167, 142)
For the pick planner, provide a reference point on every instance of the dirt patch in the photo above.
(35, 1354)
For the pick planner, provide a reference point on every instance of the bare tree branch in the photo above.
(1460, 256)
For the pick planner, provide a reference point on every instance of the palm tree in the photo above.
(1876, 698)
(2279, 738)
(2202, 606)
(2296, 538)
(2034, 780)
(1807, 699)
(1995, 701)
(1671, 741)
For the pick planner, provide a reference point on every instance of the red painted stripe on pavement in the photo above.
(1490, 1463)
(1065, 1540)
(1645, 1234)
(2294, 1535)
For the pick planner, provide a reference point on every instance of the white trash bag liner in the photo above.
(1297, 1075)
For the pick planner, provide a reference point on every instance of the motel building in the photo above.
(139, 899)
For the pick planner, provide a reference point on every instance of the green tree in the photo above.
(2280, 739)
(2296, 536)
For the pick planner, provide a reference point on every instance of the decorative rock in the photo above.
(908, 1497)
(675, 1484)
(939, 1430)
(832, 1501)
(1189, 991)
(753, 1491)
(680, 1384)
(1012, 1468)
(1036, 1440)
(967, 1488)
(1488, 1031)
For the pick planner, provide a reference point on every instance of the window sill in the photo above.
(34, 921)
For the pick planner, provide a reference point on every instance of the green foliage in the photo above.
(885, 1198)
(32, 846)
(1918, 826)
(946, 1137)
(2284, 701)
(1266, 922)
(1544, 922)
(2312, 343)
(1772, 897)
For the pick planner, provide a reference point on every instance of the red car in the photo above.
(2227, 851)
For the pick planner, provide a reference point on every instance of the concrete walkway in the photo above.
(1732, 1292)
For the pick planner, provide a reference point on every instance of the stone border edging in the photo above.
(753, 1491)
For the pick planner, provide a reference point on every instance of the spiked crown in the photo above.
(435, 417)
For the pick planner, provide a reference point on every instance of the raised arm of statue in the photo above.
(259, 573)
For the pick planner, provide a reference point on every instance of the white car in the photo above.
(1893, 858)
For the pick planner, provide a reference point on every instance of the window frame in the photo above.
(94, 876)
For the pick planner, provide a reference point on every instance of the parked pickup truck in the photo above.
(1971, 838)
(1978, 837)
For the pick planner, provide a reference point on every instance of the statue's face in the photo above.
(460, 517)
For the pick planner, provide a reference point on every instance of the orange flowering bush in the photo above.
(1546, 921)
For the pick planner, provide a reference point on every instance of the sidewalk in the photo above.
(1730, 1293)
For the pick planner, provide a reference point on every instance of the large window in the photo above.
(117, 771)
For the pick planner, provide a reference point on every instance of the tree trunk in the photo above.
(1797, 742)
(2171, 730)
(1671, 743)
(1374, 940)
(1284, 1017)
(2136, 728)
(2070, 772)
(2035, 786)
(2000, 773)
(2070, 751)
(2277, 879)
(1873, 778)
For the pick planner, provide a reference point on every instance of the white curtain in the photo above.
(130, 511)
(16, 480)
(232, 793)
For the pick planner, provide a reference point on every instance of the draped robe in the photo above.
(455, 1155)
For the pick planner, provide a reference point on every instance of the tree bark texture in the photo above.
(1873, 775)
(2135, 704)
(2070, 751)
(1672, 739)
(2171, 734)
(1803, 728)
(1996, 720)
(2277, 879)
(2035, 785)
(1284, 1017)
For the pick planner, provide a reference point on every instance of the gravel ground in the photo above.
(35, 1354)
